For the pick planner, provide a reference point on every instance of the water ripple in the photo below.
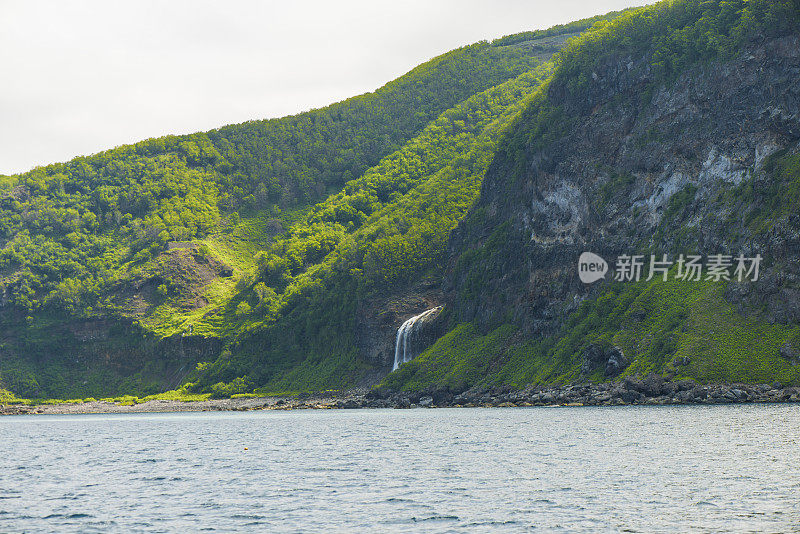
(626, 469)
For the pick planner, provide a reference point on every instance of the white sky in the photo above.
(77, 77)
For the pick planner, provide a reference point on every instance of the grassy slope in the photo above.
(437, 176)
(446, 162)
(239, 245)
(437, 187)
(678, 329)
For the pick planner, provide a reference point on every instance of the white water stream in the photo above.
(407, 334)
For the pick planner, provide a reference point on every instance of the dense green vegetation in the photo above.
(74, 229)
(84, 239)
(382, 232)
(571, 28)
(270, 237)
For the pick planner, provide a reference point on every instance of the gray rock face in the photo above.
(611, 359)
(592, 357)
(616, 362)
(607, 184)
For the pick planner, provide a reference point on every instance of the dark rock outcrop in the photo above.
(611, 359)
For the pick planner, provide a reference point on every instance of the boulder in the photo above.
(698, 393)
(630, 396)
(652, 385)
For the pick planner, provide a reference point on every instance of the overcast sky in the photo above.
(77, 77)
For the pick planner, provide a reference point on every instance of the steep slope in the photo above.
(672, 130)
(369, 253)
(329, 293)
(107, 258)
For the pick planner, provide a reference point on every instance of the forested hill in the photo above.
(125, 204)
(282, 256)
(135, 245)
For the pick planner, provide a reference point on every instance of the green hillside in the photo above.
(162, 238)
(72, 229)
(280, 255)
(381, 233)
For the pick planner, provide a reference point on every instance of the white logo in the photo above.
(591, 268)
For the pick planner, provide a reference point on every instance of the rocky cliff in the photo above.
(643, 167)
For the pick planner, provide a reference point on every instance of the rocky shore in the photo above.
(653, 390)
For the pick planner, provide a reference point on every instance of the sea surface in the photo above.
(631, 469)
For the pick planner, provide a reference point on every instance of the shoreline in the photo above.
(651, 391)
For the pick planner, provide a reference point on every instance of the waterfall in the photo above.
(406, 335)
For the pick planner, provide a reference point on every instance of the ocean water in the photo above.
(631, 469)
